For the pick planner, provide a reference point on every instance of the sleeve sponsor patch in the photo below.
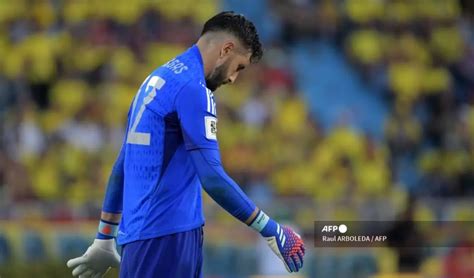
(211, 127)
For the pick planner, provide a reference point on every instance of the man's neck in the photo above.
(206, 55)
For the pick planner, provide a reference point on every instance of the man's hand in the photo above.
(97, 260)
(284, 242)
(288, 246)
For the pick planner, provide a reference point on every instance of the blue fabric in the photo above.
(161, 189)
(219, 185)
(114, 192)
(270, 229)
(193, 104)
(172, 139)
(175, 256)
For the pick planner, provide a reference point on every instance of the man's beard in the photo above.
(217, 77)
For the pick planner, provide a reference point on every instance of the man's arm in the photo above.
(112, 217)
(198, 119)
(113, 200)
(286, 244)
(221, 187)
(102, 254)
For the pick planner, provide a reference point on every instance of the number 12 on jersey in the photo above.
(153, 84)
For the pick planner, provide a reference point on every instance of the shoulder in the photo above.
(194, 88)
(181, 79)
(178, 66)
(184, 66)
(195, 94)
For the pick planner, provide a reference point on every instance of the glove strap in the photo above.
(107, 229)
(260, 221)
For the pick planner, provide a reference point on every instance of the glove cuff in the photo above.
(105, 244)
(107, 230)
(260, 221)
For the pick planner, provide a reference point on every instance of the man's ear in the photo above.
(227, 48)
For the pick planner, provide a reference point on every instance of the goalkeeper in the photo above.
(153, 205)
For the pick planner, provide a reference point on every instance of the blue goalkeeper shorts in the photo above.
(175, 256)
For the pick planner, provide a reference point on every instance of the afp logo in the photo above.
(334, 228)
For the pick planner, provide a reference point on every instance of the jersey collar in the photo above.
(197, 53)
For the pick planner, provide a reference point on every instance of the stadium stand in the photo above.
(360, 110)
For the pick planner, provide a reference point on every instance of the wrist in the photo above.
(107, 230)
(105, 244)
(264, 224)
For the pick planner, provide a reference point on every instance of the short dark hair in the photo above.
(239, 26)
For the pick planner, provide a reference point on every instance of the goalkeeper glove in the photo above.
(100, 256)
(283, 241)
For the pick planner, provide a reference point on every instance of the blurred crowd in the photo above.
(421, 55)
(70, 69)
(68, 72)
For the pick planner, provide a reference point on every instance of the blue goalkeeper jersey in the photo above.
(172, 113)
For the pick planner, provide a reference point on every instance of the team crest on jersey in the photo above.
(211, 127)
